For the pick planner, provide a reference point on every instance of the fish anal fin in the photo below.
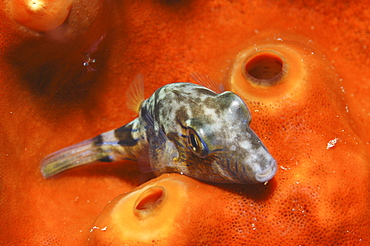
(206, 81)
(135, 93)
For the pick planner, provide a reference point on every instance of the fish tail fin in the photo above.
(103, 148)
(73, 156)
(135, 93)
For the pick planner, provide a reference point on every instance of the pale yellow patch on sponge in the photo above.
(36, 5)
(40, 15)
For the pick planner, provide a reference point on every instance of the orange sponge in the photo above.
(40, 15)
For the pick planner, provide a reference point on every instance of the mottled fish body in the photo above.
(182, 128)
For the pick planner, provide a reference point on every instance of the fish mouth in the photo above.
(268, 173)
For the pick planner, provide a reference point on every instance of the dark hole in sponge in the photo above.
(149, 201)
(264, 69)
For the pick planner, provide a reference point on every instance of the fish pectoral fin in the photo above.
(206, 81)
(144, 161)
(135, 93)
(164, 158)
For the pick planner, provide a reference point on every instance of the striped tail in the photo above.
(107, 147)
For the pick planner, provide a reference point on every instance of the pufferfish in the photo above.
(182, 128)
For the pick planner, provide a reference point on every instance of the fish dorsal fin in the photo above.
(206, 81)
(135, 93)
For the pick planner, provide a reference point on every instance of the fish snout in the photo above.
(267, 173)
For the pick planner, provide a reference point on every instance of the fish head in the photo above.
(225, 145)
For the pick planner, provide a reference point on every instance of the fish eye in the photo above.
(196, 144)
